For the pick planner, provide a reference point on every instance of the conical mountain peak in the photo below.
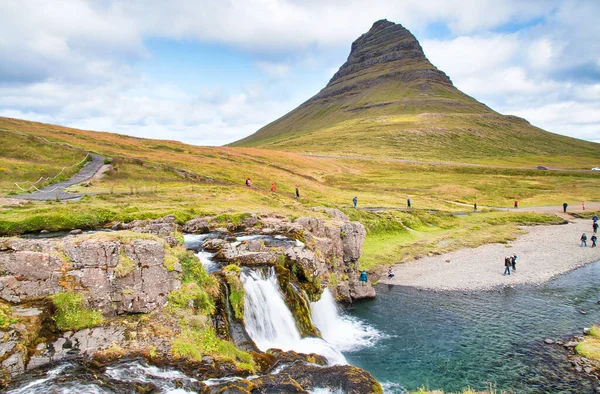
(388, 100)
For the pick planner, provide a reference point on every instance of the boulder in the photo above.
(96, 264)
(198, 225)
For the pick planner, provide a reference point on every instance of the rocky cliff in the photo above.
(137, 292)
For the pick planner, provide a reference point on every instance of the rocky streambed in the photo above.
(96, 303)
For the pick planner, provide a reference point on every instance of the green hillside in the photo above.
(388, 100)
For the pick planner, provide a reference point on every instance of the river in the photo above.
(451, 340)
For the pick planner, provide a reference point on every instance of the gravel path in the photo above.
(543, 253)
(54, 191)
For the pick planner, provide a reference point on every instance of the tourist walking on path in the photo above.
(594, 239)
(390, 272)
(583, 205)
(583, 239)
(273, 187)
(595, 227)
(355, 201)
(565, 205)
(408, 203)
(248, 182)
(475, 207)
(513, 262)
(595, 218)
(516, 204)
(507, 265)
(297, 192)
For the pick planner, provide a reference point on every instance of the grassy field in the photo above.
(153, 178)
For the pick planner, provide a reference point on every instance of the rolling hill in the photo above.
(388, 100)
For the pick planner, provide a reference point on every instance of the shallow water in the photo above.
(450, 340)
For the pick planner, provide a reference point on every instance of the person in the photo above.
(595, 227)
(475, 207)
(513, 261)
(273, 187)
(297, 192)
(583, 205)
(248, 182)
(583, 239)
(408, 203)
(363, 277)
(516, 204)
(390, 272)
(565, 205)
(506, 265)
(595, 218)
(355, 201)
(594, 239)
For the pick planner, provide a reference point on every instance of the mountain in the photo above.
(388, 100)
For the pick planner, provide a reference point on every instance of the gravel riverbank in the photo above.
(543, 253)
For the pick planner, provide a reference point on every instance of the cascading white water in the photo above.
(270, 323)
(344, 332)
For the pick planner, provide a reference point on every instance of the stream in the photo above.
(454, 340)
(406, 338)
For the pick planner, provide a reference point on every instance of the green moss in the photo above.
(170, 260)
(71, 313)
(179, 237)
(232, 268)
(194, 344)
(234, 218)
(191, 294)
(6, 317)
(333, 281)
(125, 265)
(236, 290)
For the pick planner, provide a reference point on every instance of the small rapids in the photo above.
(124, 376)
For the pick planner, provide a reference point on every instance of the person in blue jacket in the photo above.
(355, 201)
(363, 277)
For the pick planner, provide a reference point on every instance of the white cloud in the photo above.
(73, 61)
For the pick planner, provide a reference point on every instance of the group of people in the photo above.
(510, 262)
(274, 188)
(593, 238)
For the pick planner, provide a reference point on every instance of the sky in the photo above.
(209, 72)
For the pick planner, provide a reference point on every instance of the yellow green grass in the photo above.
(590, 347)
(152, 178)
(72, 314)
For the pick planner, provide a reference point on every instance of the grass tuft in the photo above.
(71, 313)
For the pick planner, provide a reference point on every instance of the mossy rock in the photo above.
(299, 307)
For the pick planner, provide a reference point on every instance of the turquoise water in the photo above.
(451, 340)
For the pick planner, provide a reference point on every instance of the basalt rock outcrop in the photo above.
(137, 270)
(119, 272)
(326, 251)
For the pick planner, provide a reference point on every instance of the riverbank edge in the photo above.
(572, 262)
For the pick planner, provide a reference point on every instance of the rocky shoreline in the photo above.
(150, 296)
(544, 252)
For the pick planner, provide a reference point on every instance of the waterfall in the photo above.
(344, 332)
(270, 323)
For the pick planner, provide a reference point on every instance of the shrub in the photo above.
(191, 294)
(194, 344)
(71, 313)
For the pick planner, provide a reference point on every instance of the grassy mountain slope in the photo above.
(153, 178)
(388, 100)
